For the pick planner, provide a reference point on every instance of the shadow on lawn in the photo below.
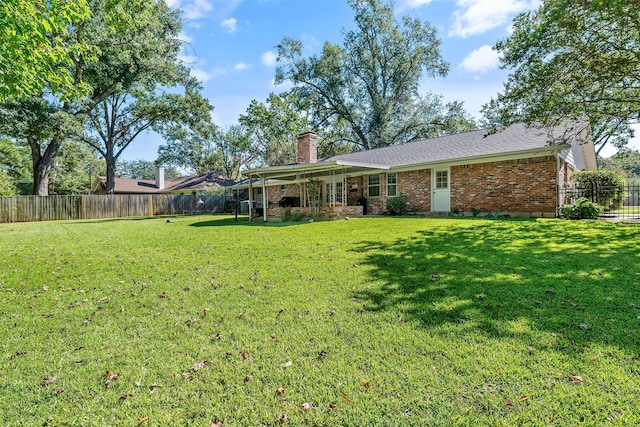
(243, 221)
(498, 275)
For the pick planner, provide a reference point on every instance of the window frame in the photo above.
(375, 185)
(393, 184)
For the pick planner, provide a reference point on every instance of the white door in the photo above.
(441, 193)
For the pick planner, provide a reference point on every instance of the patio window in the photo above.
(374, 185)
(392, 184)
(337, 190)
(283, 190)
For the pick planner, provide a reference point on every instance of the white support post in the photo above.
(250, 197)
(264, 200)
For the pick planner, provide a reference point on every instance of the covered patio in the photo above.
(325, 190)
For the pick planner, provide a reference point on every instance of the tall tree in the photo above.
(570, 61)
(273, 127)
(32, 54)
(115, 122)
(136, 39)
(142, 169)
(76, 168)
(371, 82)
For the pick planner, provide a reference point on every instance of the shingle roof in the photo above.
(477, 143)
(187, 184)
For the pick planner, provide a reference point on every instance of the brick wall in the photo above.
(416, 185)
(517, 186)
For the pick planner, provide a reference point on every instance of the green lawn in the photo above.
(381, 321)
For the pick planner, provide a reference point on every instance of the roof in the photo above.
(184, 184)
(478, 143)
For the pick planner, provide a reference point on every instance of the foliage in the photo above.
(367, 89)
(34, 56)
(137, 47)
(216, 321)
(582, 209)
(273, 128)
(7, 186)
(625, 162)
(76, 169)
(208, 149)
(605, 188)
(397, 205)
(143, 169)
(570, 61)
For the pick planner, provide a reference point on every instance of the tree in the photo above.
(625, 162)
(76, 168)
(274, 127)
(208, 149)
(570, 61)
(115, 122)
(138, 45)
(32, 54)
(14, 166)
(143, 169)
(369, 86)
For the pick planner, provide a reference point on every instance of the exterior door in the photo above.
(441, 193)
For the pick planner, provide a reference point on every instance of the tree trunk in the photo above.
(43, 164)
(111, 172)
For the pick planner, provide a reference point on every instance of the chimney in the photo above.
(307, 148)
(160, 177)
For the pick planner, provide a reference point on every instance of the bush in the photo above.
(285, 214)
(297, 216)
(606, 188)
(583, 209)
(397, 205)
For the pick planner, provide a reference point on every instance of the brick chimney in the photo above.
(307, 148)
(160, 177)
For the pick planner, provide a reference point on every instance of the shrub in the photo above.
(297, 216)
(397, 205)
(583, 209)
(475, 212)
(285, 214)
(605, 188)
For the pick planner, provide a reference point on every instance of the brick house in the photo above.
(516, 171)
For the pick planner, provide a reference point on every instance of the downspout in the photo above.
(250, 197)
(264, 200)
(557, 183)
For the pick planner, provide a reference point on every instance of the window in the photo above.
(339, 186)
(374, 185)
(283, 190)
(442, 179)
(392, 184)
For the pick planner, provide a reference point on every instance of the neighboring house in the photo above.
(516, 171)
(185, 185)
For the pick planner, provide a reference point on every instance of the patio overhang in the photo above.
(275, 175)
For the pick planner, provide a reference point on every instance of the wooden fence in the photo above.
(51, 208)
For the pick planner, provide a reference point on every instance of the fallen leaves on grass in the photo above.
(49, 380)
(366, 384)
(282, 418)
(333, 406)
(199, 365)
(305, 407)
(110, 377)
(576, 379)
(280, 391)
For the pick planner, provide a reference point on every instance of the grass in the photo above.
(368, 321)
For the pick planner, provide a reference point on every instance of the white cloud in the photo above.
(202, 75)
(269, 58)
(172, 3)
(481, 60)
(411, 4)
(188, 59)
(194, 9)
(230, 25)
(185, 37)
(241, 66)
(478, 16)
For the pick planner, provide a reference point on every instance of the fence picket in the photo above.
(75, 207)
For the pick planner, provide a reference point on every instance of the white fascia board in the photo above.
(362, 165)
(526, 154)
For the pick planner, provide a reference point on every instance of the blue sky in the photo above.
(230, 47)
